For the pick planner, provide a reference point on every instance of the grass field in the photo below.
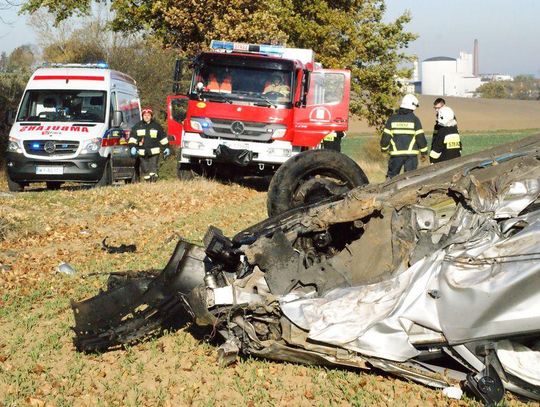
(38, 364)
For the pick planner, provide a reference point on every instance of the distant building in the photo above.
(491, 77)
(445, 76)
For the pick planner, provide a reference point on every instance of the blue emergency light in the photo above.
(35, 146)
(244, 47)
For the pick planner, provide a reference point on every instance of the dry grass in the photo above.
(38, 364)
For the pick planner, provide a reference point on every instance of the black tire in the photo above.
(185, 172)
(53, 185)
(106, 177)
(310, 177)
(14, 186)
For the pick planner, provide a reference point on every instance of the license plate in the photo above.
(50, 170)
(236, 145)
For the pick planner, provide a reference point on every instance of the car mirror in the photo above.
(117, 119)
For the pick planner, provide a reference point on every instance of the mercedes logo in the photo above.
(237, 128)
(49, 147)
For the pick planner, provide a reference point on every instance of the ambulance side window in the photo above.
(129, 106)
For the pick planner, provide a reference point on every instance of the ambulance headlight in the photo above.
(14, 146)
(92, 146)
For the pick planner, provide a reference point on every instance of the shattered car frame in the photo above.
(436, 266)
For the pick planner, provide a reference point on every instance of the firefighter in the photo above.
(277, 86)
(146, 139)
(403, 138)
(446, 143)
(437, 104)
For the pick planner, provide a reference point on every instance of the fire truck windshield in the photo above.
(254, 85)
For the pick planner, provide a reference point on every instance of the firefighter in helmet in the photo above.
(146, 140)
(403, 138)
(446, 143)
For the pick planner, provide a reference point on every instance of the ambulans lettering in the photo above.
(77, 129)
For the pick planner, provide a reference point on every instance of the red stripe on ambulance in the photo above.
(69, 77)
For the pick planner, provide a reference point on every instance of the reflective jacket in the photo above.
(446, 144)
(403, 134)
(148, 138)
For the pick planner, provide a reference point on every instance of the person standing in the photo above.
(146, 139)
(403, 138)
(437, 104)
(446, 143)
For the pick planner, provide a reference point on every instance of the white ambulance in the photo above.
(72, 125)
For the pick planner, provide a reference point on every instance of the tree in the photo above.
(492, 90)
(343, 33)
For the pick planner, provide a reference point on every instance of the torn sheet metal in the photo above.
(436, 267)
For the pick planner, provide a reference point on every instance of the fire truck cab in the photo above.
(252, 107)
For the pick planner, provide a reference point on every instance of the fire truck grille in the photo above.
(240, 130)
(49, 148)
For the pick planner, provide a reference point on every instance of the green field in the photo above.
(472, 142)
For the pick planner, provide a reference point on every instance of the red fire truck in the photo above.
(251, 107)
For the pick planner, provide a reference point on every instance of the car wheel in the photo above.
(14, 186)
(106, 177)
(310, 177)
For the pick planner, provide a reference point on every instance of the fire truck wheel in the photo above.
(310, 177)
(14, 186)
(106, 178)
(185, 172)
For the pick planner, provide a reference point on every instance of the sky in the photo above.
(508, 32)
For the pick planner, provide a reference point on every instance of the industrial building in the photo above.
(444, 76)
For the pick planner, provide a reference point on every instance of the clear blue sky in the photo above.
(508, 32)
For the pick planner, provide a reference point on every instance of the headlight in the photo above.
(195, 125)
(279, 133)
(92, 146)
(283, 152)
(192, 145)
(14, 146)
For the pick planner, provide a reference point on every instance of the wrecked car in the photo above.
(433, 276)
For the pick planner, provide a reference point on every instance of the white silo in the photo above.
(436, 72)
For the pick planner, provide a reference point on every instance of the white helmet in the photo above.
(409, 102)
(445, 116)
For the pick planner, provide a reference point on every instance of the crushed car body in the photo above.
(433, 276)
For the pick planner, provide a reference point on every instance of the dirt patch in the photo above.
(475, 114)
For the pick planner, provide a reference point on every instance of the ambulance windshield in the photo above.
(63, 106)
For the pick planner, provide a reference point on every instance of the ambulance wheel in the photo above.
(106, 177)
(14, 186)
(53, 185)
(185, 172)
(310, 177)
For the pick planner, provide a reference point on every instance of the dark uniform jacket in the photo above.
(148, 138)
(446, 144)
(403, 134)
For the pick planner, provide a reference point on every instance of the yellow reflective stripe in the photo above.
(384, 148)
(404, 152)
(417, 132)
(141, 132)
(387, 131)
(452, 141)
(330, 136)
(393, 145)
(163, 141)
(423, 150)
(402, 125)
(141, 152)
(411, 132)
(132, 140)
(154, 150)
(412, 143)
(434, 154)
